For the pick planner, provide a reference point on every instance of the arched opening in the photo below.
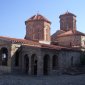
(72, 61)
(34, 64)
(4, 56)
(70, 43)
(17, 58)
(46, 63)
(55, 62)
(26, 63)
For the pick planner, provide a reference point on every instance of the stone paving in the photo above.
(9, 79)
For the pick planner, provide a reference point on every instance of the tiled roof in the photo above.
(71, 32)
(46, 46)
(38, 17)
(57, 33)
(68, 13)
(22, 41)
(53, 47)
(29, 43)
(32, 43)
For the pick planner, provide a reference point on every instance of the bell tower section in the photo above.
(67, 21)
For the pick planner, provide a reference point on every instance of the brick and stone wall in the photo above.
(67, 21)
(64, 58)
(68, 59)
(69, 41)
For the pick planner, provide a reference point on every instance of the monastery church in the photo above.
(41, 53)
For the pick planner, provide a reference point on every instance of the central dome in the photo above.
(38, 17)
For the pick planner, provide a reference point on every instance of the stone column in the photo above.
(9, 64)
(40, 65)
(20, 61)
(30, 66)
(50, 65)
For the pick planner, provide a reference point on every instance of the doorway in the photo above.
(34, 64)
(46, 64)
(26, 60)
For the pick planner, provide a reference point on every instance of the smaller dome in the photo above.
(67, 13)
(38, 17)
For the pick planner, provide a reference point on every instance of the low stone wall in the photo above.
(5, 69)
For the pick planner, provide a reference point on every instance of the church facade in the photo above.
(41, 53)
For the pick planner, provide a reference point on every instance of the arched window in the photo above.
(46, 64)
(4, 56)
(47, 33)
(70, 43)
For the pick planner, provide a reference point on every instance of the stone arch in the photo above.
(26, 63)
(46, 64)
(17, 58)
(4, 56)
(55, 62)
(34, 64)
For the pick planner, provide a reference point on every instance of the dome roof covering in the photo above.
(68, 13)
(71, 33)
(38, 17)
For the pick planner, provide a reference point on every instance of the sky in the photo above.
(13, 14)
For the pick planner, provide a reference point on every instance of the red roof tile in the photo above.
(46, 46)
(32, 43)
(53, 47)
(70, 33)
(68, 13)
(53, 37)
(38, 17)
(14, 40)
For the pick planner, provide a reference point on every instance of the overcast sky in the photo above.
(13, 14)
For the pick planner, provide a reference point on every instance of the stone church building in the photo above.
(41, 53)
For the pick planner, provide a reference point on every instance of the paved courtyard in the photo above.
(9, 79)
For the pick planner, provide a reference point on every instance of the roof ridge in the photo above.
(71, 32)
(18, 40)
(38, 17)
